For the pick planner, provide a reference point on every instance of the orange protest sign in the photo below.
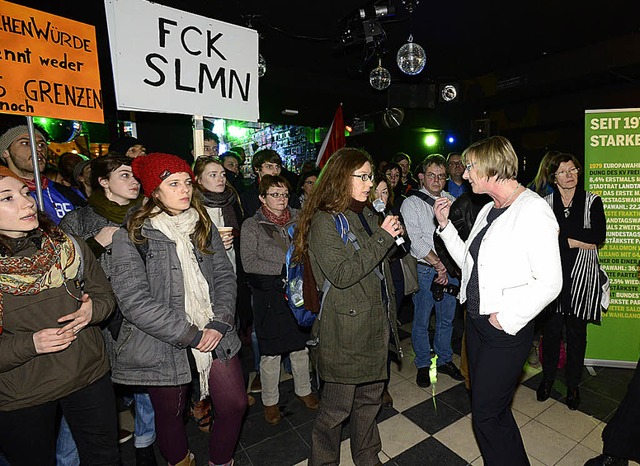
(48, 66)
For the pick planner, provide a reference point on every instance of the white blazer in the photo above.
(519, 270)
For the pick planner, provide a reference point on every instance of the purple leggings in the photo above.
(229, 400)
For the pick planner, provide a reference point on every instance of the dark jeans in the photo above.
(28, 435)
(229, 400)
(495, 363)
(576, 347)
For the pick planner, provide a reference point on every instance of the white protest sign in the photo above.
(167, 60)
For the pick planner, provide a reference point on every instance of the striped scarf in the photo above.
(49, 267)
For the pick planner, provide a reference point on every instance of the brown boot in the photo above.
(189, 460)
(311, 401)
(201, 414)
(272, 414)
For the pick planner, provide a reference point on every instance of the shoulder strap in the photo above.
(80, 276)
(342, 225)
(428, 199)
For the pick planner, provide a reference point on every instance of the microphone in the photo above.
(378, 205)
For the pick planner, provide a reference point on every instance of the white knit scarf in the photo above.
(197, 305)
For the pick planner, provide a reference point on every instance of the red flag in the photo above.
(334, 139)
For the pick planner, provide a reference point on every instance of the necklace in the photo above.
(567, 210)
(506, 203)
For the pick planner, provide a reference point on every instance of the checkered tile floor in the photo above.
(433, 426)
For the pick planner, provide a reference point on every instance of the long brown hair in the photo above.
(331, 194)
(200, 235)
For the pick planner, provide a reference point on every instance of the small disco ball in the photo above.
(380, 78)
(411, 58)
(262, 66)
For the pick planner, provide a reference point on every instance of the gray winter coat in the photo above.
(152, 345)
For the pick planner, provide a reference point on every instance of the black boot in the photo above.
(544, 390)
(146, 456)
(573, 398)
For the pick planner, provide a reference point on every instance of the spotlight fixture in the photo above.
(449, 92)
(262, 66)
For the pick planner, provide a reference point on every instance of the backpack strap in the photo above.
(428, 199)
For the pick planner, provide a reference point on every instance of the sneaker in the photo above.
(310, 401)
(606, 460)
(124, 436)
(450, 369)
(256, 385)
(422, 379)
(272, 414)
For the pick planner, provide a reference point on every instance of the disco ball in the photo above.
(262, 66)
(380, 78)
(411, 58)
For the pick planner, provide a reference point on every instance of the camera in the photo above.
(438, 291)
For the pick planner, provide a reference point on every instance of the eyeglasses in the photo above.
(364, 176)
(469, 166)
(271, 166)
(433, 176)
(279, 195)
(565, 173)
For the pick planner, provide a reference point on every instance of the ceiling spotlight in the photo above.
(449, 93)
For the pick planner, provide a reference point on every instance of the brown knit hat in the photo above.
(152, 169)
(12, 134)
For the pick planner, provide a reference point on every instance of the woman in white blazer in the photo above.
(510, 271)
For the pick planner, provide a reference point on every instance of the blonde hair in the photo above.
(493, 156)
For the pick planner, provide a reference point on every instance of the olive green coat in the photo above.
(353, 328)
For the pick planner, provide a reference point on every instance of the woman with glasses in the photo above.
(177, 290)
(358, 317)
(580, 215)
(510, 271)
(53, 296)
(264, 241)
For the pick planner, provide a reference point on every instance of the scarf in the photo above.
(53, 264)
(31, 184)
(197, 303)
(357, 206)
(225, 201)
(280, 220)
(110, 210)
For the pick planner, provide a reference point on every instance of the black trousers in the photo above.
(28, 435)
(495, 363)
(621, 435)
(576, 347)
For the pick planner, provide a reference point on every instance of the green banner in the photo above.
(612, 170)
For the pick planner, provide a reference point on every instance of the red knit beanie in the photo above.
(154, 168)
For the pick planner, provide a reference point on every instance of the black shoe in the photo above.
(573, 398)
(544, 391)
(451, 370)
(422, 379)
(605, 460)
(146, 456)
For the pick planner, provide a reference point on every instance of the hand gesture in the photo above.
(391, 224)
(441, 209)
(79, 319)
(105, 236)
